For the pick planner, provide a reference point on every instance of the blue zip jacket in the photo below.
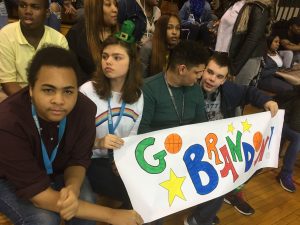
(234, 95)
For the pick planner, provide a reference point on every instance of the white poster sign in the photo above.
(173, 169)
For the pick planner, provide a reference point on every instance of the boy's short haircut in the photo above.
(221, 58)
(189, 53)
(52, 56)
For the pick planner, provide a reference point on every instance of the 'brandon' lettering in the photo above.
(197, 167)
(193, 161)
(139, 155)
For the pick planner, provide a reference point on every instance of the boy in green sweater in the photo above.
(173, 98)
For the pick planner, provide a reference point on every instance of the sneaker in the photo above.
(190, 220)
(238, 202)
(286, 182)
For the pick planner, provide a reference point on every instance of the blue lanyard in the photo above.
(62, 125)
(111, 127)
(180, 118)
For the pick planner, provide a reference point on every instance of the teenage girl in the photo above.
(115, 90)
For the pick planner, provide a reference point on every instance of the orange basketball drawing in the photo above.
(173, 143)
(257, 140)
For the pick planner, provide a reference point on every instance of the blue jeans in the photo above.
(275, 84)
(105, 182)
(23, 212)
(290, 156)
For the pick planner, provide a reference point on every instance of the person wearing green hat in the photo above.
(115, 89)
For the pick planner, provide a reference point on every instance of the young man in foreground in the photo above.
(47, 132)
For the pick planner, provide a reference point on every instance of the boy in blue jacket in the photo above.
(221, 99)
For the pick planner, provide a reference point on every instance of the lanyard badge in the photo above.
(180, 117)
(48, 161)
(111, 126)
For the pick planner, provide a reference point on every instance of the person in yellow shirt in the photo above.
(20, 41)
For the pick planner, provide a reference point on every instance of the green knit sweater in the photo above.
(159, 112)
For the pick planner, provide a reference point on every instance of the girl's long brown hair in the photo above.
(159, 44)
(94, 25)
(131, 89)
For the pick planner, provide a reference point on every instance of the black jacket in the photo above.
(252, 42)
(234, 95)
(78, 44)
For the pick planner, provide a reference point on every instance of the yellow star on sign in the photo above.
(246, 126)
(173, 185)
(230, 128)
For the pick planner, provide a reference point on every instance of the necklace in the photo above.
(180, 117)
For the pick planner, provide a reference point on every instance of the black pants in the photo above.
(105, 182)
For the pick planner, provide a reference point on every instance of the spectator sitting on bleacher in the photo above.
(173, 98)
(222, 96)
(53, 19)
(154, 53)
(289, 33)
(221, 99)
(268, 80)
(242, 33)
(115, 86)
(85, 38)
(51, 117)
(19, 42)
(195, 16)
(199, 10)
